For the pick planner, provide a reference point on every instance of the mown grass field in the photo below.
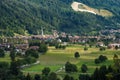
(55, 59)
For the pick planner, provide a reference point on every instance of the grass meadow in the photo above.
(56, 59)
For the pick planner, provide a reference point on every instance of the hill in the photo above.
(28, 16)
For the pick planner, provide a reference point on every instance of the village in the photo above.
(22, 42)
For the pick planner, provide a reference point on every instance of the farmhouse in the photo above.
(114, 45)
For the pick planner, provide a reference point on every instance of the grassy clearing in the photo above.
(6, 58)
(38, 68)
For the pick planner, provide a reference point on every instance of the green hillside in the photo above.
(28, 16)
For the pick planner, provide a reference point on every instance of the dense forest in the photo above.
(28, 16)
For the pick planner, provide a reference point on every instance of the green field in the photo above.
(56, 59)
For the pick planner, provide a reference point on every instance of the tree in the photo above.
(84, 77)
(4, 67)
(70, 67)
(103, 72)
(110, 69)
(37, 77)
(14, 68)
(67, 77)
(46, 71)
(102, 49)
(43, 48)
(28, 77)
(13, 54)
(76, 55)
(32, 53)
(52, 76)
(85, 48)
(84, 68)
(95, 75)
(97, 61)
(102, 58)
(116, 47)
(2, 53)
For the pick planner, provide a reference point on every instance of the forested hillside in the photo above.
(28, 16)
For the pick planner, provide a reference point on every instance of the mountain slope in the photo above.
(28, 16)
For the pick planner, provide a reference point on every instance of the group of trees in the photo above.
(73, 68)
(100, 59)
